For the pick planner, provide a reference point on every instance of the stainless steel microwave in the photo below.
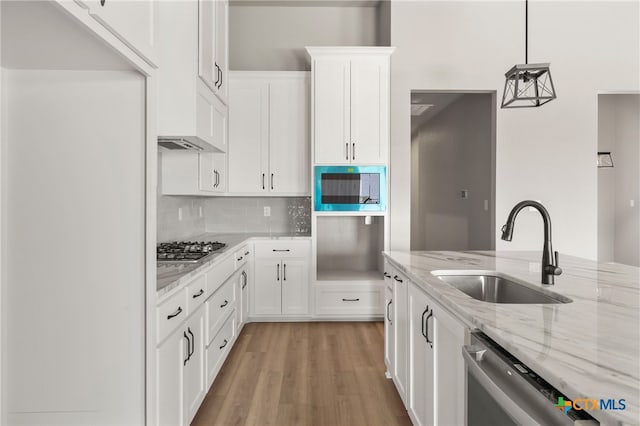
(350, 188)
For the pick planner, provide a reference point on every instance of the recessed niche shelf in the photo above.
(348, 249)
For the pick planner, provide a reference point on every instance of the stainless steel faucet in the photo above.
(550, 261)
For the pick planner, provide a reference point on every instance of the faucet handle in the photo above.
(557, 270)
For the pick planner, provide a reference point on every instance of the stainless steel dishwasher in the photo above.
(503, 391)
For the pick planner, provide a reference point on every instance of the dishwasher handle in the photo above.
(473, 359)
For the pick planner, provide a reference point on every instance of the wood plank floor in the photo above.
(305, 374)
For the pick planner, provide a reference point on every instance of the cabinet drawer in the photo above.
(219, 273)
(349, 300)
(171, 313)
(219, 305)
(196, 293)
(219, 348)
(242, 255)
(282, 249)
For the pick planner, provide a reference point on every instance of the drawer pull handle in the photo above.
(240, 258)
(350, 300)
(387, 275)
(198, 294)
(226, 302)
(246, 253)
(281, 250)
(224, 344)
(395, 277)
(175, 314)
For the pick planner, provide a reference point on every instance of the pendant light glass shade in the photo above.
(528, 85)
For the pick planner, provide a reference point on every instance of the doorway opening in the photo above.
(453, 170)
(619, 179)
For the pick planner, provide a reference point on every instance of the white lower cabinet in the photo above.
(193, 382)
(401, 331)
(219, 348)
(436, 368)
(281, 278)
(389, 332)
(180, 363)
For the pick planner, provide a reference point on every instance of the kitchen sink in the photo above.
(494, 287)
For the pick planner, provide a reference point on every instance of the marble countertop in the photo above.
(173, 275)
(589, 348)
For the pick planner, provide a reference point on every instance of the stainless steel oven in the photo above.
(503, 391)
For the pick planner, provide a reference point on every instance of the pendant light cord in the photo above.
(526, 31)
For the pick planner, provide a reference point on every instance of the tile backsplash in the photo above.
(246, 214)
(170, 227)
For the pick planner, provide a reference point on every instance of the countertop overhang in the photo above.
(589, 348)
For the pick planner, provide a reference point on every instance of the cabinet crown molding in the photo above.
(314, 51)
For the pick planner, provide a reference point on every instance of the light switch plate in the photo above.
(267, 211)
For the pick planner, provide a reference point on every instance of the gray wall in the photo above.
(273, 38)
(619, 187)
(452, 152)
(544, 153)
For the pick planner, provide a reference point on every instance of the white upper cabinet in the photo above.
(213, 18)
(133, 22)
(188, 105)
(268, 133)
(350, 104)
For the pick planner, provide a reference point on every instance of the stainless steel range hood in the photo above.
(185, 143)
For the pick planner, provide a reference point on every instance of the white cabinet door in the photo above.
(248, 135)
(222, 47)
(267, 287)
(401, 342)
(331, 110)
(369, 110)
(194, 366)
(288, 136)
(448, 337)
(170, 357)
(420, 401)
(212, 171)
(388, 329)
(206, 26)
(295, 284)
(133, 22)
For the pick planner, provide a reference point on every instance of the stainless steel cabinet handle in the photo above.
(350, 300)
(272, 181)
(175, 314)
(198, 294)
(226, 302)
(281, 250)
(278, 272)
(284, 272)
(224, 344)
(353, 151)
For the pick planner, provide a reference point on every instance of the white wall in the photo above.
(618, 220)
(454, 151)
(273, 38)
(546, 153)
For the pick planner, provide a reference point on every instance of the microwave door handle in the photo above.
(517, 411)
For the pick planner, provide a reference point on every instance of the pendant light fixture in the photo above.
(528, 85)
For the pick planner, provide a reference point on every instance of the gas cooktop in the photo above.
(186, 251)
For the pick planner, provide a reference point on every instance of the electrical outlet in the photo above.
(179, 214)
(267, 211)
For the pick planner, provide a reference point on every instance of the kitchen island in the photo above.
(589, 348)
